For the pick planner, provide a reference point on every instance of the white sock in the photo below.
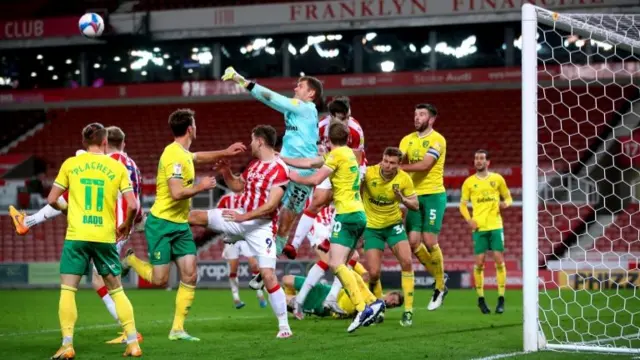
(315, 274)
(304, 227)
(335, 290)
(278, 301)
(41, 216)
(111, 306)
(67, 340)
(259, 294)
(233, 282)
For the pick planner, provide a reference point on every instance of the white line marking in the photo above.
(623, 337)
(112, 325)
(502, 356)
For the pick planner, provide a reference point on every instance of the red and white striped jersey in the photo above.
(229, 201)
(259, 178)
(325, 216)
(136, 183)
(356, 134)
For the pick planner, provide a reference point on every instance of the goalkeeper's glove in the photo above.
(231, 74)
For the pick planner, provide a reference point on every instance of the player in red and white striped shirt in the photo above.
(339, 110)
(232, 253)
(262, 186)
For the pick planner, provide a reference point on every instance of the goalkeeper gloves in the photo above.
(231, 74)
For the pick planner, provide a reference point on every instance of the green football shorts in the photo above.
(428, 218)
(77, 256)
(484, 241)
(315, 298)
(348, 228)
(167, 240)
(391, 235)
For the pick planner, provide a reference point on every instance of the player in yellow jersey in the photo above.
(385, 187)
(424, 152)
(168, 234)
(489, 194)
(342, 168)
(94, 181)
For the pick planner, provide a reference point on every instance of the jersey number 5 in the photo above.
(92, 186)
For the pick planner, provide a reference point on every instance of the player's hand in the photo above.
(503, 205)
(322, 150)
(208, 183)
(123, 231)
(473, 225)
(222, 166)
(398, 194)
(235, 149)
(230, 74)
(232, 215)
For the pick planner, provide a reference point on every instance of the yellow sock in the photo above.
(350, 286)
(143, 268)
(184, 299)
(367, 295)
(67, 312)
(124, 309)
(501, 278)
(376, 289)
(478, 276)
(424, 257)
(437, 261)
(408, 284)
(359, 269)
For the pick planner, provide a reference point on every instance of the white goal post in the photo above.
(559, 315)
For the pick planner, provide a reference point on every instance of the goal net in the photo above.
(580, 112)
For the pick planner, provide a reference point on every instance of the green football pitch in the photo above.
(29, 330)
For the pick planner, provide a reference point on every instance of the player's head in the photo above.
(338, 134)
(115, 138)
(183, 123)
(390, 161)
(310, 89)
(263, 137)
(339, 108)
(424, 116)
(94, 135)
(393, 299)
(481, 160)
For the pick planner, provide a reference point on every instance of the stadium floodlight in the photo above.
(579, 95)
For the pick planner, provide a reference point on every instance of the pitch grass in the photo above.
(29, 330)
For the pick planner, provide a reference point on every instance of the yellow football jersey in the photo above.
(93, 181)
(414, 149)
(345, 180)
(176, 162)
(485, 195)
(380, 203)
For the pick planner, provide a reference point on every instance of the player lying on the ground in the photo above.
(339, 110)
(94, 182)
(314, 303)
(350, 221)
(115, 149)
(232, 253)
(488, 193)
(300, 138)
(385, 187)
(262, 186)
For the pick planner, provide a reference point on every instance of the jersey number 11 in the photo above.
(92, 186)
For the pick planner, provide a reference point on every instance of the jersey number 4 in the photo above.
(92, 186)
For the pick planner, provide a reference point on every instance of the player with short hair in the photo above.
(350, 221)
(94, 181)
(167, 230)
(489, 194)
(262, 185)
(424, 152)
(314, 303)
(339, 110)
(385, 187)
(300, 138)
(232, 252)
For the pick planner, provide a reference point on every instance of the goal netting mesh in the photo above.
(587, 111)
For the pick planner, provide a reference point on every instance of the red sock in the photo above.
(103, 291)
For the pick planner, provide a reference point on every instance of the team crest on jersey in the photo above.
(157, 255)
(492, 183)
(374, 184)
(425, 144)
(395, 187)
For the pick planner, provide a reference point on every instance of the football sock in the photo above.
(424, 257)
(184, 299)
(315, 274)
(350, 286)
(359, 269)
(437, 261)
(233, 283)
(376, 288)
(41, 216)
(478, 277)
(304, 227)
(408, 283)
(278, 301)
(501, 278)
(367, 295)
(125, 314)
(143, 268)
(67, 312)
(103, 292)
(335, 290)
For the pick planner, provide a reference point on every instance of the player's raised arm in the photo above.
(60, 185)
(234, 183)
(271, 205)
(505, 194)
(325, 169)
(208, 157)
(310, 163)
